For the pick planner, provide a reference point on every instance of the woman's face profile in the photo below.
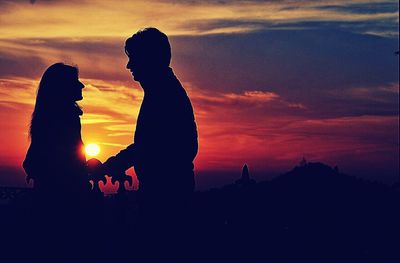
(76, 87)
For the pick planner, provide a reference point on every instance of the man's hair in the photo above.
(149, 44)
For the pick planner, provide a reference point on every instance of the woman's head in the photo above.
(60, 84)
(58, 91)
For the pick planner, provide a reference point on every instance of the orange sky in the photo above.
(249, 108)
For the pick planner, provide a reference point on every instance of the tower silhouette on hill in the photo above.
(245, 179)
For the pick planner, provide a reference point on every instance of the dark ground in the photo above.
(310, 214)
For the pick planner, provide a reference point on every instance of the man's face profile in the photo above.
(139, 66)
(132, 67)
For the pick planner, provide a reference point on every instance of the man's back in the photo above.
(165, 137)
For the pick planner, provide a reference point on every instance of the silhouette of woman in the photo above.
(55, 159)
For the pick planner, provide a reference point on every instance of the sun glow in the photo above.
(92, 149)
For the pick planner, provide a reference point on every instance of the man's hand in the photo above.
(96, 172)
(111, 166)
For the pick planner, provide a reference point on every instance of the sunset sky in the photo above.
(270, 81)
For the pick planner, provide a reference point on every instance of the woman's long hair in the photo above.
(53, 97)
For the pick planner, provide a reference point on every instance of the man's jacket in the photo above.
(165, 142)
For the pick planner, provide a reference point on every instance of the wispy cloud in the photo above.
(19, 90)
(91, 118)
(88, 18)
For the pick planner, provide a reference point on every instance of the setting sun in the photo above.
(92, 149)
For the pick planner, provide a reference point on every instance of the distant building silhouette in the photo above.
(303, 162)
(336, 168)
(245, 179)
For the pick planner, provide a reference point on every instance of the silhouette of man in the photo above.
(165, 141)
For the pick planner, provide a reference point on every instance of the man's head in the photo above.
(149, 52)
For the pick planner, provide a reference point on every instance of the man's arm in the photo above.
(122, 161)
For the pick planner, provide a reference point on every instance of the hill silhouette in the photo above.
(312, 213)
